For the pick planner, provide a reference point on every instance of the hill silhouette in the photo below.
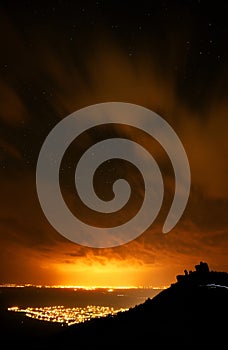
(190, 313)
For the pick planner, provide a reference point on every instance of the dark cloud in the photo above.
(54, 62)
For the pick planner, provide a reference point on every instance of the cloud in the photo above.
(13, 111)
(60, 82)
(205, 141)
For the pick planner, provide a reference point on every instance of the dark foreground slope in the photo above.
(191, 313)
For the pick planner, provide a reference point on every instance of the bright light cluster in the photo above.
(67, 315)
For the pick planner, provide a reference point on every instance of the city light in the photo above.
(67, 315)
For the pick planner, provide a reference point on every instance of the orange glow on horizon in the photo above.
(110, 275)
(109, 289)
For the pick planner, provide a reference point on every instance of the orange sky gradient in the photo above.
(63, 80)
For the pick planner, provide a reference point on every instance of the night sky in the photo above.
(59, 56)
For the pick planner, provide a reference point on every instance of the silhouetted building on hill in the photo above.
(202, 269)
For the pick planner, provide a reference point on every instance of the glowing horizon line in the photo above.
(60, 286)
